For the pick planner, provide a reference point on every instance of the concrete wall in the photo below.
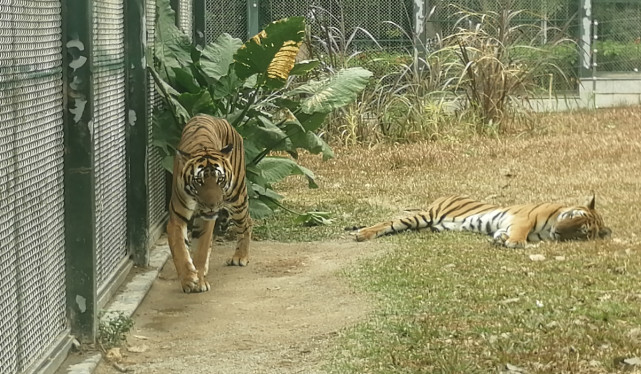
(605, 90)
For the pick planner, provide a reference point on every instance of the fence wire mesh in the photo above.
(618, 35)
(553, 18)
(110, 161)
(32, 276)
(225, 16)
(157, 205)
(185, 17)
(387, 21)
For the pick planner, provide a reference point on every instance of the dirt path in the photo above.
(275, 316)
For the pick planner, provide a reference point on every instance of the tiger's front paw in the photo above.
(194, 283)
(237, 260)
(202, 285)
(500, 237)
(189, 281)
(519, 244)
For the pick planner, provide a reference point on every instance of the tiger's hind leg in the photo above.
(201, 236)
(243, 237)
(374, 231)
(416, 222)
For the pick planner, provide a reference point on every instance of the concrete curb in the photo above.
(126, 301)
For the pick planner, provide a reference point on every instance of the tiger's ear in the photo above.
(590, 203)
(183, 156)
(226, 149)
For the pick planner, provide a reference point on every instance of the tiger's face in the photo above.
(207, 179)
(581, 223)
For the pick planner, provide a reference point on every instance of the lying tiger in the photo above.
(511, 226)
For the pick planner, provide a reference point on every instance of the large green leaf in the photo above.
(200, 102)
(227, 85)
(308, 140)
(266, 192)
(272, 53)
(304, 67)
(311, 122)
(172, 47)
(258, 208)
(302, 135)
(263, 200)
(262, 131)
(315, 144)
(314, 218)
(168, 163)
(217, 56)
(334, 92)
(166, 131)
(170, 95)
(274, 169)
(184, 80)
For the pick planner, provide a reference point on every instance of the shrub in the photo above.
(251, 85)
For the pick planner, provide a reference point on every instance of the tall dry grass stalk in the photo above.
(496, 71)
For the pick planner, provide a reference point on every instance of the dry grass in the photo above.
(577, 153)
(452, 302)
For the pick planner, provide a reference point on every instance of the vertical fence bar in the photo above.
(80, 242)
(137, 139)
(199, 23)
(175, 5)
(252, 18)
(585, 46)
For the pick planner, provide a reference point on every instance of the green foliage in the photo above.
(381, 63)
(314, 218)
(564, 56)
(618, 56)
(251, 85)
(113, 329)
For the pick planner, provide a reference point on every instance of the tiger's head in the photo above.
(581, 222)
(206, 176)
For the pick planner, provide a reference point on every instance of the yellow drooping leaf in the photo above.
(261, 35)
(283, 61)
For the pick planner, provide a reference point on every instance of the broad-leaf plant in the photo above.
(260, 87)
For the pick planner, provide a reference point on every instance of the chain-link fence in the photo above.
(389, 22)
(225, 16)
(65, 218)
(552, 18)
(185, 16)
(156, 188)
(32, 281)
(109, 136)
(617, 35)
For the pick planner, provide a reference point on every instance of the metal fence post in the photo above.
(199, 23)
(252, 18)
(137, 139)
(80, 232)
(585, 43)
(418, 28)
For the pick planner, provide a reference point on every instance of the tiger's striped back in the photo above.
(511, 226)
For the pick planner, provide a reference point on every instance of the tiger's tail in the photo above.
(415, 222)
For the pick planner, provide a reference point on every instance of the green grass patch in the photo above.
(453, 303)
(343, 213)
